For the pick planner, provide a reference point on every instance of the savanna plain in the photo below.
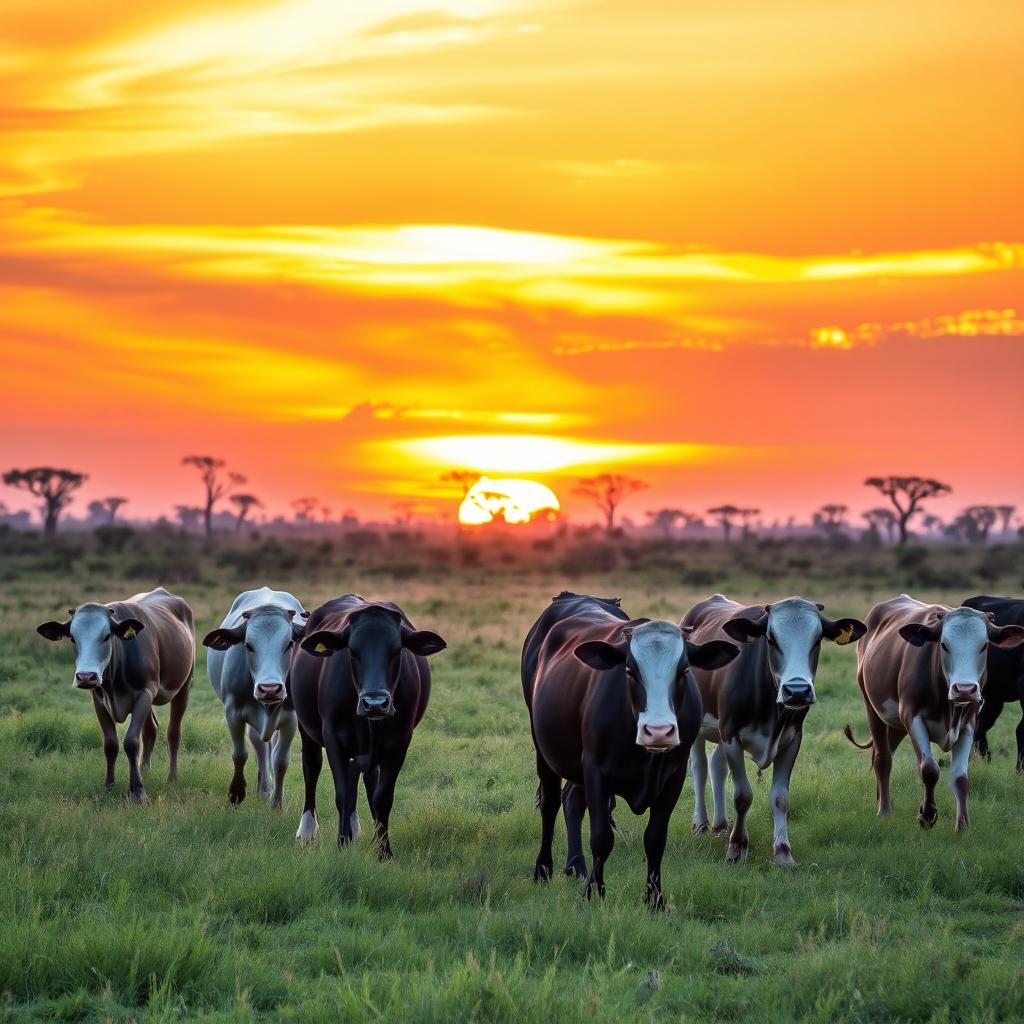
(191, 909)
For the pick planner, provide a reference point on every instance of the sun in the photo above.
(514, 501)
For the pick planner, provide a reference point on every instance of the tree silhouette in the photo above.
(977, 521)
(906, 494)
(54, 486)
(747, 515)
(244, 502)
(465, 478)
(830, 519)
(884, 518)
(725, 515)
(304, 509)
(188, 516)
(1006, 514)
(112, 505)
(216, 484)
(607, 491)
(665, 519)
(404, 511)
(933, 524)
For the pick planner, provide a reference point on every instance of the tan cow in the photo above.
(922, 670)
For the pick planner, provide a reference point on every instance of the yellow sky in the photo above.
(752, 252)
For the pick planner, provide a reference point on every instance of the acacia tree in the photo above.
(1006, 514)
(215, 481)
(304, 509)
(188, 516)
(607, 491)
(725, 515)
(881, 518)
(747, 515)
(665, 519)
(244, 502)
(112, 505)
(978, 521)
(465, 478)
(933, 524)
(906, 494)
(54, 486)
(831, 519)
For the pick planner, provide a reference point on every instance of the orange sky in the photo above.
(748, 252)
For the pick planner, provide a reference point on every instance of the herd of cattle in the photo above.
(618, 706)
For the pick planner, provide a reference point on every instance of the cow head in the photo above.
(375, 639)
(963, 636)
(657, 657)
(92, 630)
(269, 634)
(793, 630)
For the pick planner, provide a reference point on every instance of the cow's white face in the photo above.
(794, 633)
(92, 641)
(963, 650)
(655, 650)
(269, 639)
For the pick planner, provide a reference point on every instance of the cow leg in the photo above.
(881, 759)
(782, 770)
(239, 753)
(742, 797)
(719, 771)
(1020, 738)
(262, 752)
(133, 745)
(929, 769)
(602, 835)
(549, 796)
(281, 752)
(958, 775)
(312, 764)
(574, 806)
(990, 712)
(699, 777)
(346, 781)
(383, 801)
(656, 835)
(150, 731)
(179, 704)
(109, 730)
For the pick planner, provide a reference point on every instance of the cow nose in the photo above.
(659, 737)
(964, 693)
(86, 680)
(375, 704)
(270, 693)
(797, 694)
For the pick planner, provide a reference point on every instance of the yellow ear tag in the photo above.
(845, 636)
(129, 633)
(320, 648)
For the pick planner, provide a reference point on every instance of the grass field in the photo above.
(190, 909)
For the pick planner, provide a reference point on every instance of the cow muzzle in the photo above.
(270, 694)
(87, 680)
(796, 695)
(657, 738)
(374, 704)
(964, 693)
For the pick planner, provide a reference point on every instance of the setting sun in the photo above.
(514, 501)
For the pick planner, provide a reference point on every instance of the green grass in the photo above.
(190, 909)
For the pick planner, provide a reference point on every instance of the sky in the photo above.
(748, 253)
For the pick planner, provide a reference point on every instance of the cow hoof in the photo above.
(309, 828)
(542, 872)
(927, 816)
(593, 887)
(236, 795)
(575, 868)
(784, 857)
(962, 824)
(737, 854)
(385, 854)
(722, 830)
(654, 898)
(138, 796)
(700, 827)
(277, 804)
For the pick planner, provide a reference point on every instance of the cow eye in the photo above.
(249, 647)
(772, 642)
(105, 639)
(944, 646)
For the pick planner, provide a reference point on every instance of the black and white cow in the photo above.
(250, 656)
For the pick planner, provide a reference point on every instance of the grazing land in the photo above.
(190, 909)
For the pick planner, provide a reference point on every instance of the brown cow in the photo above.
(131, 656)
(922, 670)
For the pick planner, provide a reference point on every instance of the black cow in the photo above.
(1005, 672)
(360, 684)
(614, 709)
(131, 656)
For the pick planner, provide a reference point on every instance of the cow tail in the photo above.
(848, 733)
(536, 802)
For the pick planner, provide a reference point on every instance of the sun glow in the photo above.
(515, 501)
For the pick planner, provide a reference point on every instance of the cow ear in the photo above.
(842, 631)
(324, 642)
(127, 629)
(54, 630)
(714, 654)
(745, 629)
(819, 606)
(1006, 636)
(601, 655)
(223, 639)
(918, 634)
(422, 642)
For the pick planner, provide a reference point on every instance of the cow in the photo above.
(360, 683)
(1005, 672)
(133, 656)
(250, 655)
(922, 670)
(756, 706)
(613, 709)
